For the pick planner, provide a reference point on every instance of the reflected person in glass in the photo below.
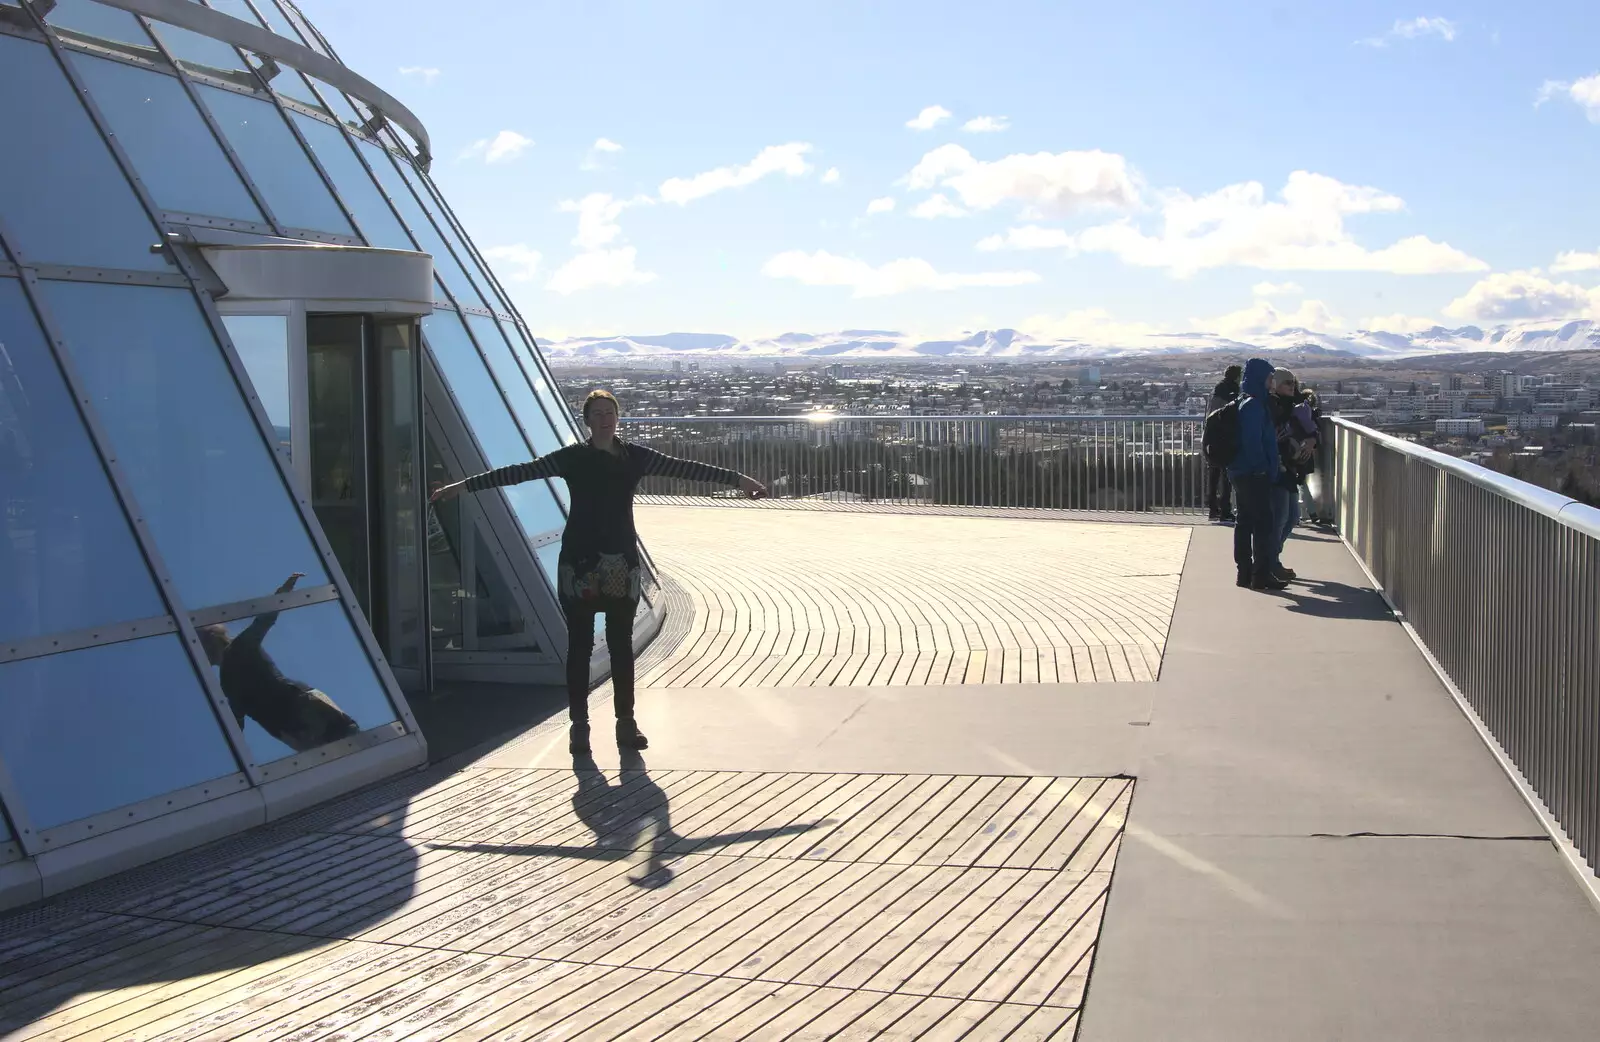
(292, 711)
(598, 570)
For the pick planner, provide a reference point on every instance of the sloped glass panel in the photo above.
(239, 9)
(306, 32)
(296, 680)
(485, 413)
(355, 186)
(262, 343)
(341, 106)
(549, 554)
(61, 192)
(444, 263)
(502, 626)
(99, 24)
(483, 296)
(86, 731)
(68, 559)
(515, 384)
(197, 52)
(446, 592)
(544, 386)
(198, 465)
(297, 196)
(169, 144)
(288, 82)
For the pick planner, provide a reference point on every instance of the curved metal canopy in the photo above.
(208, 22)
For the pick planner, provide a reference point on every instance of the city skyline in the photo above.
(1070, 172)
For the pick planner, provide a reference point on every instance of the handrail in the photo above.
(208, 22)
(829, 417)
(1568, 511)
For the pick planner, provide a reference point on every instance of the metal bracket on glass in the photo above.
(268, 69)
(207, 22)
(375, 124)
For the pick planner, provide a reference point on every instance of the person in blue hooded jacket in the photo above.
(1254, 472)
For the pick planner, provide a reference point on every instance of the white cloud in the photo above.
(594, 268)
(1276, 289)
(508, 144)
(987, 124)
(897, 276)
(775, 159)
(937, 206)
(522, 261)
(1261, 317)
(420, 72)
(1585, 92)
(605, 144)
(1028, 237)
(929, 118)
(595, 264)
(1399, 323)
(831, 177)
(1576, 260)
(1050, 184)
(883, 205)
(602, 147)
(1443, 28)
(1523, 296)
(1303, 230)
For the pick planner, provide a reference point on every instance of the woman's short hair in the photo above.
(600, 396)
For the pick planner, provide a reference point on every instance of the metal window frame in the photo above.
(219, 332)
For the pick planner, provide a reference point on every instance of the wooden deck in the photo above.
(816, 598)
(591, 904)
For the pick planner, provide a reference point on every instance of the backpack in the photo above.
(1219, 439)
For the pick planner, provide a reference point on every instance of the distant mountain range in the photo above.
(1000, 344)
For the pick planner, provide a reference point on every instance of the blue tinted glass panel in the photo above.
(170, 145)
(416, 219)
(197, 463)
(481, 405)
(544, 386)
(262, 343)
(548, 555)
(86, 731)
(340, 105)
(514, 383)
(64, 199)
(97, 22)
(484, 412)
(306, 32)
(68, 559)
(378, 224)
(297, 679)
(198, 52)
(239, 9)
(276, 162)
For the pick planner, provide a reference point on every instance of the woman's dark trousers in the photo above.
(580, 648)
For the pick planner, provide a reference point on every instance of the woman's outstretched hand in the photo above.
(751, 487)
(444, 492)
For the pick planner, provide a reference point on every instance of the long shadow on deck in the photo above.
(1329, 599)
(631, 821)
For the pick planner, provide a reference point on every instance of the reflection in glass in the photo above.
(444, 263)
(169, 144)
(341, 106)
(199, 53)
(68, 559)
(501, 623)
(86, 731)
(297, 679)
(544, 386)
(446, 594)
(239, 9)
(65, 200)
(262, 343)
(288, 182)
(514, 383)
(548, 555)
(378, 223)
(192, 453)
(96, 23)
(397, 609)
(336, 381)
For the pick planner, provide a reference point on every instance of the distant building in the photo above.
(1460, 428)
(1530, 421)
(1089, 374)
(1454, 382)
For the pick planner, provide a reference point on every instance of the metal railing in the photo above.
(1123, 463)
(1500, 580)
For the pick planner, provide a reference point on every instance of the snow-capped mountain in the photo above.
(1010, 343)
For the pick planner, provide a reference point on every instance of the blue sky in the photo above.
(1162, 166)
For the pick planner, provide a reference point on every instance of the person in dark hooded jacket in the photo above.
(1254, 472)
(1219, 494)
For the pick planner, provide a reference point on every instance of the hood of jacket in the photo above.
(1256, 372)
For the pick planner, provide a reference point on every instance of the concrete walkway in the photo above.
(1292, 833)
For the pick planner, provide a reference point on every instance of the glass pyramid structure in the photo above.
(241, 336)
